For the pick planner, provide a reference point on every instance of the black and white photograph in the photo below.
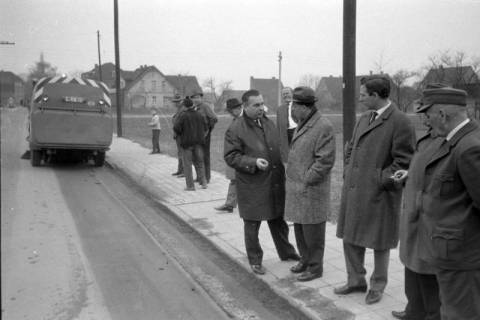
(144, 142)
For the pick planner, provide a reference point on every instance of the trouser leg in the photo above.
(414, 309)
(231, 200)
(459, 292)
(279, 231)
(355, 261)
(301, 244)
(314, 235)
(252, 244)
(199, 160)
(379, 277)
(156, 140)
(206, 156)
(180, 156)
(187, 167)
(430, 296)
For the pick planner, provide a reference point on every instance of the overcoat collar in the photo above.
(379, 121)
(309, 124)
(448, 145)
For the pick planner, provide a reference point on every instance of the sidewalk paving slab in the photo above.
(225, 230)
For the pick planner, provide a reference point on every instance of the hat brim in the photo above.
(421, 108)
(196, 94)
(234, 106)
(304, 101)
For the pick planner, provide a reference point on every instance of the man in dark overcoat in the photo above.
(177, 101)
(383, 142)
(450, 202)
(210, 119)
(285, 123)
(307, 205)
(420, 282)
(252, 149)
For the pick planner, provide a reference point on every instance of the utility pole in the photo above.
(279, 77)
(99, 58)
(349, 78)
(117, 69)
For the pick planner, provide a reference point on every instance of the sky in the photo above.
(233, 40)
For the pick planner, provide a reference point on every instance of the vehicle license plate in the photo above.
(74, 99)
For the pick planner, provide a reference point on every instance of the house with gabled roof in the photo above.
(183, 84)
(12, 89)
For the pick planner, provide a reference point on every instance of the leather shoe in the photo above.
(346, 289)
(373, 296)
(176, 173)
(402, 315)
(299, 267)
(180, 175)
(294, 257)
(308, 275)
(225, 208)
(257, 268)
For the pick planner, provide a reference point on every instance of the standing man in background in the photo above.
(285, 123)
(234, 108)
(177, 100)
(383, 142)
(155, 124)
(210, 120)
(252, 149)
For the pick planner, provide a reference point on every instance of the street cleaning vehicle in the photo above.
(69, 116)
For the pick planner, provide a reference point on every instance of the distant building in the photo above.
(269, 88)
(145, 87)
(461, 77)
(12, 89)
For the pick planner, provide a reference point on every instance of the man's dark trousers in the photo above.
(459, 294)
(180, 156)
(206, 155)
(311, 245)
(422, 295)
(279, 231)
(155, 140)
(193, 155)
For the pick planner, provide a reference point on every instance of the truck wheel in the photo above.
(99, 159)
(35, 157)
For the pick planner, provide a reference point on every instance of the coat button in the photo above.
(274, 167)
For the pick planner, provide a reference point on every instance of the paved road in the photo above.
(80, 242)
(71, 249)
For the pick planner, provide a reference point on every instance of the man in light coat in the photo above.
(383, 142)
(285, 123)
(234, 108)
(251, 148)
(450, 201)
(307, 204)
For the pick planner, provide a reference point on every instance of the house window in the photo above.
(163, 86)
(154, 85)
(154, 100)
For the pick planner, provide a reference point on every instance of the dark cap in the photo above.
(445, 95)
(177, 98)
(304, 95)
(233, 103)
(196, 92)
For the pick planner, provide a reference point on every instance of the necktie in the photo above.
(372, 117)
(258, 122)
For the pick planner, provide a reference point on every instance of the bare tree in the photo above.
(210, 84)
(400, 92)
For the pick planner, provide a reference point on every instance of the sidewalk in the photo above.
(225, 230)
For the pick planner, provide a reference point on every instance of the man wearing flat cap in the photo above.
(420, 282)
(383, 142)
(210, 120)
(285, 123)
(252, 149)
(310, 161)
(234, 108)
(450, 204)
